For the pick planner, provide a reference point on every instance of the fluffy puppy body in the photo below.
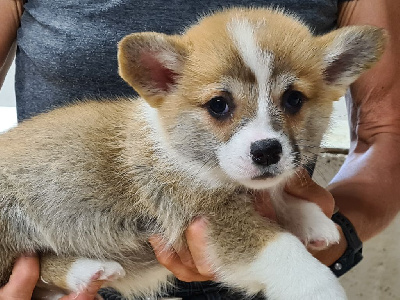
(236, 103)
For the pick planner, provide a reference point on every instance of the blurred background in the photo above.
(8, 117)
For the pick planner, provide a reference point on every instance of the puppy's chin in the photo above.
(265, 181)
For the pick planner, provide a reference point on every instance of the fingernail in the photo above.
(200, 220)
(97, 275)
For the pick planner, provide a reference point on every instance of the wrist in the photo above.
(347, 253)
(353, 254)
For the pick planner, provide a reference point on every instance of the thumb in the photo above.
(303, 187)
(89, 293)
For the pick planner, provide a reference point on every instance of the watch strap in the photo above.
(353, 254)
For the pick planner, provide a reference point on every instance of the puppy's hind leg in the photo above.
(6, 264)
(254, 254)
(75, 274)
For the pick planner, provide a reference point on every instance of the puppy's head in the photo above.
(245, 95)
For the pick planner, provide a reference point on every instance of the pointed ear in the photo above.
(151, 63)
(349, 51)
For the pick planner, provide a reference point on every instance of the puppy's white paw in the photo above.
(307, 221)
(83, 271)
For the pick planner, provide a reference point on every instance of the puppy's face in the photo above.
(245, 95)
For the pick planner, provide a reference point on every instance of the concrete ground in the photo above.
(377, 276)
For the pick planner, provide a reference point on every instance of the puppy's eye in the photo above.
(292, 101)
(219, 107)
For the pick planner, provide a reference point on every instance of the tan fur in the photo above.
(50, 270)
(97, 179)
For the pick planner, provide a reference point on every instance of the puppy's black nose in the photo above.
(266, 152)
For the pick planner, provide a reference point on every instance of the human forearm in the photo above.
(366, 191)
(366, 188)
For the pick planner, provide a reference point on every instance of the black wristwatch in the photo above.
(353, 254)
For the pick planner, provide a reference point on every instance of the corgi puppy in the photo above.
(237, 103)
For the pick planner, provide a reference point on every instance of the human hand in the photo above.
(300, 186)
(89, 293)
(191, 264)
(25, 275)
(23, 279)
(303, 187)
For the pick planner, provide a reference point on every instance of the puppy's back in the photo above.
(52, 166)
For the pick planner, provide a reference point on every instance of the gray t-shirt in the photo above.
(67, 48)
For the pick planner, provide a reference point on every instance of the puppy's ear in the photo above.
(151, 63)
(349, 51)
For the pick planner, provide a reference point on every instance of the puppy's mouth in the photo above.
(264, 176)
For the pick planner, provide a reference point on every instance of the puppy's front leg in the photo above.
(73, 274)
(304, 219)
(254, 254)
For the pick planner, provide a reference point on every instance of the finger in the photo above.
(23, 279)
(302, 186)
(89, 293)
(170, 260)
(186, 258)
(196, 236)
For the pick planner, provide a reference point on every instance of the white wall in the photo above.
(8, 115)
(7, 94)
